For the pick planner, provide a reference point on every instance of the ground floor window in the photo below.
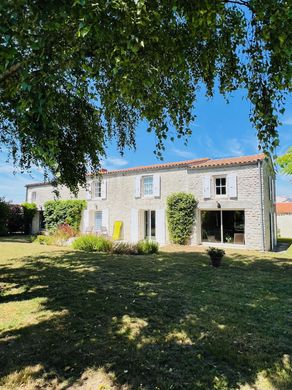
(149, 224)
(223, 226)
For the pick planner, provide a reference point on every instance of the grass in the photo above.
(166, 321)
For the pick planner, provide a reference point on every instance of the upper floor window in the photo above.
(33, 196)
(96, 189)
(148, 185)
(220, 186)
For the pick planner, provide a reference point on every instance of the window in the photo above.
(148, 185)
(33, 196)
(150, 224)
(97, 189)
(220, 186)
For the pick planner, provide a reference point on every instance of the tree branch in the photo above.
(10, 72)
(239, 2)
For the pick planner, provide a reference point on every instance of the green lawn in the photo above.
(167, 321)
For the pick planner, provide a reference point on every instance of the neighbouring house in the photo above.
(236, 201)
(284, 219)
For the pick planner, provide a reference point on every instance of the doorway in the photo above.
(149, 224)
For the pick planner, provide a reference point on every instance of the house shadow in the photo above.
(167, 321)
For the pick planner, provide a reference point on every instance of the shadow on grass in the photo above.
(160, 322)
(19, 238)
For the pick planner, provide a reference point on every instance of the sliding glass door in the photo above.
(223, 226)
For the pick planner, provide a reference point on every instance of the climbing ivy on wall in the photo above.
(57, 212)
(180, 216)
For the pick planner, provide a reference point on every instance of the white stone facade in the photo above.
(249, 188)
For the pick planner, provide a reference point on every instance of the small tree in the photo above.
(29, 211)
(4, 214)
(15, 219)
(180, 216)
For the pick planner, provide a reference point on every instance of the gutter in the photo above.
(262, 204)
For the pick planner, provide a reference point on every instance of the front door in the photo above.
(98, 221)
(149, 224)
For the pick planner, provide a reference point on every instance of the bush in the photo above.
(64, 232)
(4, 214)
(15, 219)
(180, 216)
(146, 247)
(68, 212)
(29, 211)
(124, 248)
(92, 243)
(215, 252)
(44, 240)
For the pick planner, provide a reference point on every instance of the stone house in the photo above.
(284, 219)
(236, 201)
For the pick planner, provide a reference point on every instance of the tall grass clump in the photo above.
(147, 247)
(92, 243)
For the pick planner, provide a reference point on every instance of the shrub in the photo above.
(4, 214)
(44, 240)
(92, 243)
(29, 211)
(146, 247)
(215, 252)
(15, 219)
(180, 216)
(124, 248)
(64, 232)
(58, 212)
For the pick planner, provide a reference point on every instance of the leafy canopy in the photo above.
(285, 162)
(75, 74)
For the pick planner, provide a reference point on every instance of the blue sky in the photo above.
(221, 130)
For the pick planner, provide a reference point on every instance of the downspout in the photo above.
(262, 204)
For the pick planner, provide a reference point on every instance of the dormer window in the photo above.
(220, 186)
(148, 185)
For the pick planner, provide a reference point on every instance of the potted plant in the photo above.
(216, 255)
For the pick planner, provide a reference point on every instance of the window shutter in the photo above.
(103, 189)
(160, 226)
(134, 225)
(89, 190)
(105, 219)
(274, 190)
(232, 185)
(156, 185)
(85, 219)
(137, 186)
(207, 187)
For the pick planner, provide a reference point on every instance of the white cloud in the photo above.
(114, 163)
(234, 146)
(183, 153)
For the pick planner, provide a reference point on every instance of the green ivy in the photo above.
(180, 216)
(57, 212)
(29, 211)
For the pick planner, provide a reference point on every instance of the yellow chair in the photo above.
(117, 230)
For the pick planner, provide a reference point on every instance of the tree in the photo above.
(285, 162)
(75, 74)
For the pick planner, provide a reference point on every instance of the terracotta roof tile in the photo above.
(230, 161)
(159, 166)
(284, 208)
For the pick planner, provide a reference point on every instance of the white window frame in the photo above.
(99, 212)
(221, 186)
(143, 186)
(93, 187)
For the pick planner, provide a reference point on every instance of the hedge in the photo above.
(180, 216)
(57, 212)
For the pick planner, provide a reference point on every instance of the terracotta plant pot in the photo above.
(216, 260)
